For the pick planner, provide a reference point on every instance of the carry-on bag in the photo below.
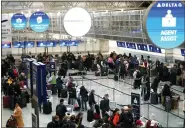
(11, 122)
(64, 93)
(90, 115)
(168, 103)
(47, 108)
(6, 102)
(115, 78)
(154, 98)
(97, 73)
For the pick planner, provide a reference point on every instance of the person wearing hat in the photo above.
(61, 109)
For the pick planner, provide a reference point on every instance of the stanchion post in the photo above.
(148, 111)
(113, 94)
(167, 118)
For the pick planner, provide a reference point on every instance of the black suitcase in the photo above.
(154, 98)
(115, 78)
(54, 89)
(97, 108)
(90, 115)
(47, 108)
(64, 93)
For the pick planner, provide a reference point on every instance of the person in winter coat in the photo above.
(84, 97)
(116, 117)
(104, 105)
(173, 75)
(72, 96)
(155, 84)
(52, 81)
(18, 116)
(61, 109)
(166, 91)
(59, 85)
(126, 118)
(55, 123)
(79, 119)
(92, 101)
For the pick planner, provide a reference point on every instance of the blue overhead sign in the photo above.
(165, 24)
(39, 21)
(18, 21)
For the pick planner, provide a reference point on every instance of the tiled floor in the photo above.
(120, 98)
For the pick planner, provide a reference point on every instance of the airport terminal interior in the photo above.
(93, 64)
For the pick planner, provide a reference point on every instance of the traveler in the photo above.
(166, 91)
(59, 85)
(61, 109)
(155, 84)
(115, 118)
(79, 119)
(84, 97)
(173, 75)
(18, 116)
(72, 123)
(137, 78)
(92, 101)
(126, 118)
(52, 81)
(104, 105)
(72, 96)
(165, 74)
(55, 123)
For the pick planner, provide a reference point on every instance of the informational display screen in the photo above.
(6, 45)
(22, 45)
(18, 21)
(63, 43)
(29, 44)
(139, 46)
(72, 43)
(121, 44)
(16, 44)
(41, 44)
(154, 49)
(51, 44)
(183, 52)
(164, 23)
(133, 45)
(144, 47)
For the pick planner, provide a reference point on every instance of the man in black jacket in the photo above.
(126, 118)
(92, 101)
(104, 105)
(61, 109)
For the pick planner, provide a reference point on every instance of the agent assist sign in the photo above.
(164, 23)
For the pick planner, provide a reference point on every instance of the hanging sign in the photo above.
(39, 21)
(18, 21)
(77, 22)
(164, 23)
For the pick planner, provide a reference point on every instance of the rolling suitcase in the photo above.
(6, 102)
(64, 93)
(168, 104)
(90, 115)
(154, 98)
(47, 108)
(115, 78)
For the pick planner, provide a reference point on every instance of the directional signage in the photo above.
(19, 21)
(135, 102)
(164, 23)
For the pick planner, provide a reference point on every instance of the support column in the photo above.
(169, 55)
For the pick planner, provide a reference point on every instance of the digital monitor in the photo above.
(144, 47)
(29, 44)
(139, 47)
(63, 43)
(22, 45)
(183, 52)
(16, 44)
(123, 44)
(151, 48)
(41, 44)
(6, 45)
(119, 44)
(158, 50)
(133, 45)
(73, 43)
(128, 45)
(51, 43)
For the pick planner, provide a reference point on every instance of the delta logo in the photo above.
(172, 5)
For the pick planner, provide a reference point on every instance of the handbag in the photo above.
(76, 105)
(12, 122)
